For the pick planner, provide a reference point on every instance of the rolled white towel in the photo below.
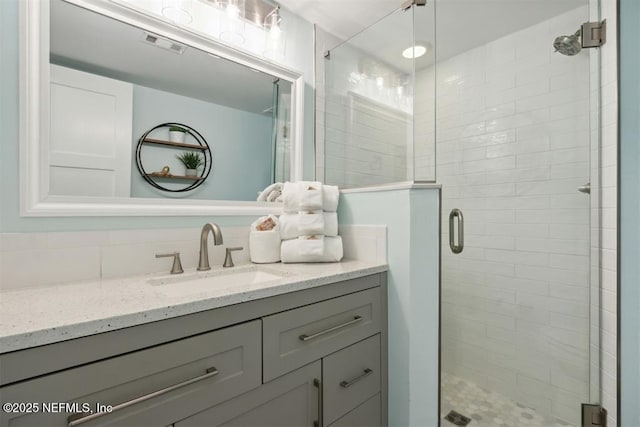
(330, 198)
(289, 226)
(309, 196)
(333, 251)
(311, 245)
(330, 223)
(274, 195)
(290, 197)
(264, 246)
(310, 223)
(264, 194)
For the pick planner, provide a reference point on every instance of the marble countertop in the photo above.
(44, 315)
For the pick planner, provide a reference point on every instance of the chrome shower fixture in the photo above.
(568, 45)
(590, 34)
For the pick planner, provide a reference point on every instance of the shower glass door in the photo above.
(514, 137)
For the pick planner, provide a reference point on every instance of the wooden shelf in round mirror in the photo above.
(199, 144)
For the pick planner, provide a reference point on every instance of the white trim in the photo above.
(297, 129)
(139, 208)
(34, 119)
(407, 185)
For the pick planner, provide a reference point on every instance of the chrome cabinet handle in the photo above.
(317, 384)
(77, 419)
(352, 381)
(456, 249)
(305, 337)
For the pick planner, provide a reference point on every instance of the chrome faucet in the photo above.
(203, 264)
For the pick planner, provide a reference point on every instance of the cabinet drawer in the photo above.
(288, 401)
(163, 383)
(297, 337)
(350, 377)
(369, 414)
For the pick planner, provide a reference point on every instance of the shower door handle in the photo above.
(456, 248)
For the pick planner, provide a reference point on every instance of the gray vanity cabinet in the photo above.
(291, 400)
(148, 387)
(351, 376)
(296, 337)
(366, 415)
(315, 357)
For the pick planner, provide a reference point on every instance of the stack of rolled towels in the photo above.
(309, 223)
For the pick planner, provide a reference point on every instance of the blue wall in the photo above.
(299, 56)
(412, 220)
(629, 213)
(240, 145)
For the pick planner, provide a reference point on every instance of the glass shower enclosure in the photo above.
(373, 100)
(507, 123)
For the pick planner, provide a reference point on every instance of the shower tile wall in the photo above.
(367, 140)
(512, 149)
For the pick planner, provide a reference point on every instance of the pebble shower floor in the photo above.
(486, 408)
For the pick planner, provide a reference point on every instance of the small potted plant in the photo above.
(191, 162)
(177, 134)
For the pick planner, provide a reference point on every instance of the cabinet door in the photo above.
(291, 400)
(351, 376)
(366, 415)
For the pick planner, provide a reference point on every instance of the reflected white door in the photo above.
(91, 135)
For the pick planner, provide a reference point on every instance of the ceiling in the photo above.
(458, 25)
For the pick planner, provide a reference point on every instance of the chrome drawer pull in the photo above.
(347, 384)
(305, 337)
(77, 419)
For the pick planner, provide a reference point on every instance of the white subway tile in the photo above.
(23, 241)
(578, 324)
(46, 267)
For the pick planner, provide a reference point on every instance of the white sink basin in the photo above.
(214, 280)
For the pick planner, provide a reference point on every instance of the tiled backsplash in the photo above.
(40, 259)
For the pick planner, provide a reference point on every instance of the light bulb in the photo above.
(233, 11)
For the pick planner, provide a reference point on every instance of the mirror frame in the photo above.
(34, 120)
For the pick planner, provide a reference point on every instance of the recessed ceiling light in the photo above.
(414, 51)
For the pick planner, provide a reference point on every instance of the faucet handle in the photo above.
(228, 261)
(176, 268)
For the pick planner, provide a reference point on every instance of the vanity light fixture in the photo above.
(272, 21)
(275, 39)
(232, 25)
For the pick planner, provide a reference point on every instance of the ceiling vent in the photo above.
(163, 43)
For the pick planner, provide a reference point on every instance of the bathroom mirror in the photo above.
(99, 75)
